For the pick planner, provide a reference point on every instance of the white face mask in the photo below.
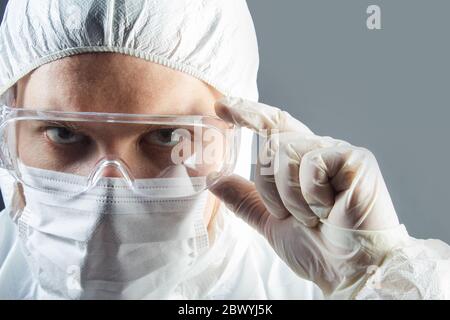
(109, 243)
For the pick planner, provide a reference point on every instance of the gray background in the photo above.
(387, 90)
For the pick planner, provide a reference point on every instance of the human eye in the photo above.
(63, 135)
(166, 137)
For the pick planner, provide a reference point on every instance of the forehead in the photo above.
(114, 83)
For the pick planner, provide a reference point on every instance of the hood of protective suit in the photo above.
(212, 40)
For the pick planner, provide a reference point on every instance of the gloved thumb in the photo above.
(241, 197)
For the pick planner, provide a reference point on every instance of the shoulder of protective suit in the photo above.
(15, 277)
(7, 235)
(271, 278)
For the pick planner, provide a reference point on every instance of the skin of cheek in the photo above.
(101, 83)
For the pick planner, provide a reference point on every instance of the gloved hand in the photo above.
(320, 202)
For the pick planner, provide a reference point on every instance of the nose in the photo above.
(111, 172)
(123, 156)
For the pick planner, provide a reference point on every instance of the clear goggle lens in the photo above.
(183, 150)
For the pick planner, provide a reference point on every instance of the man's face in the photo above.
(111, 83)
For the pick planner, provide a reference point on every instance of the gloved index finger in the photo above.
(258, 117)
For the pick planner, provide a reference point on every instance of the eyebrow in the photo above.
(73, 125)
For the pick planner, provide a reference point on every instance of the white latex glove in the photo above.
(317, 203)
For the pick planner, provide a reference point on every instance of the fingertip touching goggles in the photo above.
(189, 152)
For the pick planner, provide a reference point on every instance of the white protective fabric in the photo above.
(201, 38)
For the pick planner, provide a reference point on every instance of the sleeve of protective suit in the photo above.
(418, 270)
(323, 206)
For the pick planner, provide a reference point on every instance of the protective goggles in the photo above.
(190, 151)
